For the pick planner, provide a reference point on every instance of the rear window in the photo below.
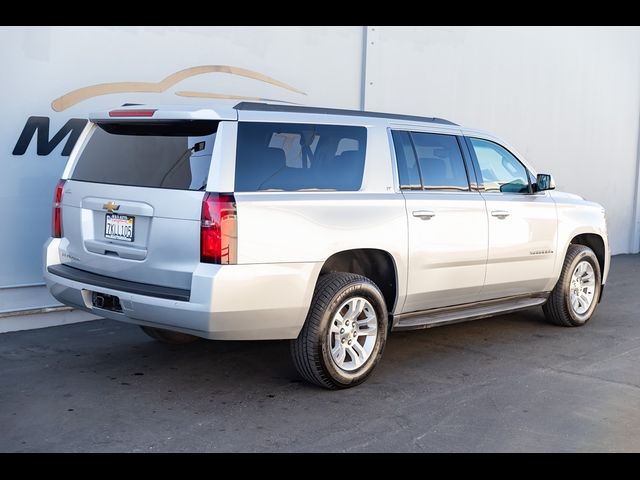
(153, 154)
(298, 157)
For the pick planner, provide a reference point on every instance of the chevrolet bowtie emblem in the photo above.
(111, 207)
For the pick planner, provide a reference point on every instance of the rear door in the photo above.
(131, 207)
(447, 221)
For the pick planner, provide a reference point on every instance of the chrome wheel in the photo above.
(352, 334)
(582, 288)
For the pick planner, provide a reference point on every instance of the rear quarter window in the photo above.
(299, 157)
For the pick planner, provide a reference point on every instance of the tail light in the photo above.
(218, 229)
(56, 223)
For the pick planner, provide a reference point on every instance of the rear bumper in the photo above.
(111, 283)
(226, 302)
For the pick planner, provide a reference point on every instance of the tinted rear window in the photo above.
(161, 155)
(440, 161)
(294, 157)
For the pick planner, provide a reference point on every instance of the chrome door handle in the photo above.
(424, 214)
(502, 214)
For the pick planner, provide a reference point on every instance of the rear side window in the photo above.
(153, 154)
(440, 160)
(298, 157)
(429, 161)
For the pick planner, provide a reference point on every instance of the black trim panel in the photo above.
(474, 161)
(138, 288)
(270, 107)
(472, 170)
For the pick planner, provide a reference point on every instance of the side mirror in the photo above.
(545, 181)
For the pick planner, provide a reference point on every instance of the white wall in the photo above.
(568, 98)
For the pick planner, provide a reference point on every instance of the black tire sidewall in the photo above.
(590, 257)
(371, 293)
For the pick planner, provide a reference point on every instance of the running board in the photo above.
(463, 313)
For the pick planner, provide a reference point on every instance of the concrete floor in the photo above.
(512, 383)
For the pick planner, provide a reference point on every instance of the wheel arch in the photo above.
(596, 243)
(376, 264)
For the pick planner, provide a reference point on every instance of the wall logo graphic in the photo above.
(39, 126)
(44, 146)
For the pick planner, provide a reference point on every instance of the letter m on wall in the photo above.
(73, 128)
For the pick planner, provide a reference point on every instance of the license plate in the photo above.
(119, 227)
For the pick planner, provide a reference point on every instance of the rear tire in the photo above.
(331, 350)
(575, 297)
(168, 336)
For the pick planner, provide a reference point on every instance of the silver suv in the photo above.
(326, 227)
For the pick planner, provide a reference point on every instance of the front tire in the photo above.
(575, 297)
(168, 336)
(331, 350)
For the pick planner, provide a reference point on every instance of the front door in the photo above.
(522, 224)
(447, 220)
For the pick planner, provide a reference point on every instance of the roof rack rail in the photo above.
(271, 107)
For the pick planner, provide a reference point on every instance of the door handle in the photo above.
(501, 214)
(424, 214)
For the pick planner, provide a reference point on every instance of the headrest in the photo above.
(434, 171)
(437, 166)
(273, 158)
(348, 157)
